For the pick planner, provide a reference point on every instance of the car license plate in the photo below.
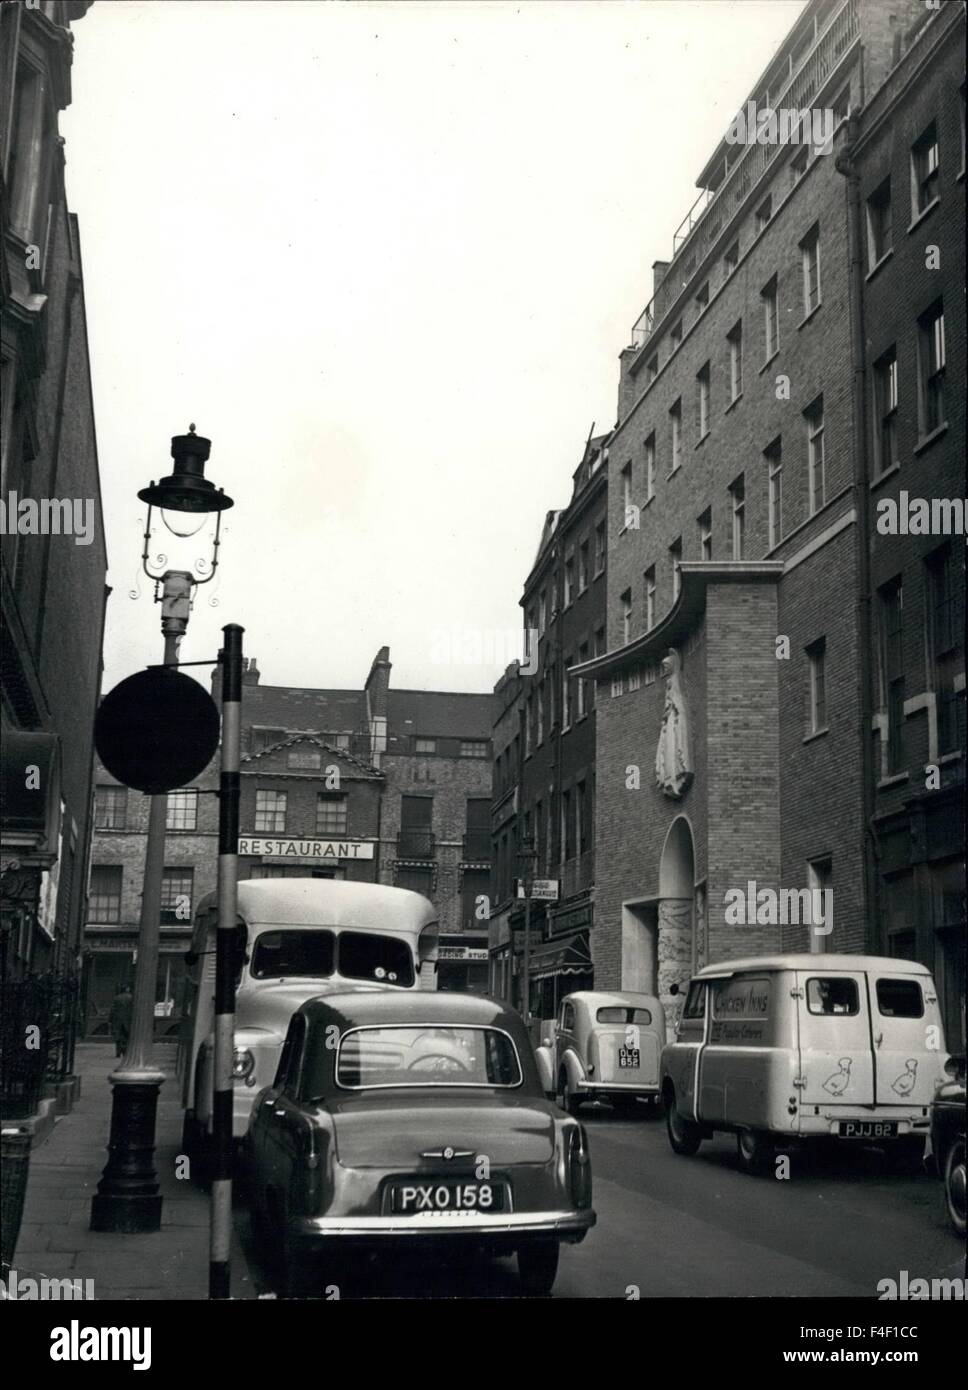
(628, 1057)
(868, 1129)
(416, 1197)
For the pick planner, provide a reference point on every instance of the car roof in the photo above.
(595, 998)
(823, 962)
(330, 902)
(359, 1008)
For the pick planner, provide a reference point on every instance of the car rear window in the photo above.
(900, 999)
(833, 994)
(395, 1055)
(612, 1013)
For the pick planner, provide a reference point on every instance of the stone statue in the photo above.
(673, 758)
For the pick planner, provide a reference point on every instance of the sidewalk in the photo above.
(55, 1239)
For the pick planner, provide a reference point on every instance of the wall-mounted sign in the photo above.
(542, 890)
(461, 953)
(330, 850)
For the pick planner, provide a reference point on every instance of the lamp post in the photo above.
(128, 1198)
(527, 859)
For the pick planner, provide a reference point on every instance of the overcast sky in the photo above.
(385, 257)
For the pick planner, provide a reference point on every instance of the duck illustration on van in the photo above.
(838, 1082)
(904, 1084)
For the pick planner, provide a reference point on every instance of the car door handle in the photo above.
(280, 1113)
(879, 1039)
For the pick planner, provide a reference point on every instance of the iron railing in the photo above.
(416, 844)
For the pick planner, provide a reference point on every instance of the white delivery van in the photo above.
(788, 1048)
(296, 938)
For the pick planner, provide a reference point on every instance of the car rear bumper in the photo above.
(590, 1089)
(565, 1225)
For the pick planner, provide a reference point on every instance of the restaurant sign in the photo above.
(329, 850)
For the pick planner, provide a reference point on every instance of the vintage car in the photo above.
(414, 1119)
(604, 1045)
(786, 1050)
(948, 1140)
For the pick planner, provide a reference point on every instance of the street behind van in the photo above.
(789, 1049)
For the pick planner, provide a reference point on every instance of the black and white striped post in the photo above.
(230, 657)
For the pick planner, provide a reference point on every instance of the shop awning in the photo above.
(569, 956)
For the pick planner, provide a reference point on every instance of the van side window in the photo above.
(832, 995)
(899, 999)
(695, 1006)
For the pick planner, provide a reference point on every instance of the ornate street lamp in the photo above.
(128, 1198)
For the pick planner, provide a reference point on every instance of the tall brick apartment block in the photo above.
(372, 785)
(736, 695)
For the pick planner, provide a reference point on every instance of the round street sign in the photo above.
(156, 730)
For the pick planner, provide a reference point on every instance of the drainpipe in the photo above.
(845, 164)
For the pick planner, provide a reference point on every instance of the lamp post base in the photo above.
(128, 1198)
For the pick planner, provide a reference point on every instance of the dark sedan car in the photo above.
(413, 1118)
(948, 1140)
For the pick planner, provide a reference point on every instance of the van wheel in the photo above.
(954, 1185)
(906, 1156)
(755, 1150)
(538, 1268)
(684, 1136)
(568, 1099)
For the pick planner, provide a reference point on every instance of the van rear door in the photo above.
(904, 1006)
(834, 1025)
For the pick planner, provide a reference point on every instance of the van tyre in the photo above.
(755, 1151)
(538, 1268)
(684, 1135)
(906, 1157)
(954, 1185)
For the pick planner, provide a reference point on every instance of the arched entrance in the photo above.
(677, 877)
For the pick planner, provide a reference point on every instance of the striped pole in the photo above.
(230, 657)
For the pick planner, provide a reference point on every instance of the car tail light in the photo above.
(580, 1168)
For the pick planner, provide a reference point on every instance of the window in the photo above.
(675, 566)
(924, 171)
(583, 567)
(879, 224)
(566, 693)
(774, 465)
(416, 838)
(763, 213)
(945, 658)
(270, 811)
(735, 340)
(528, 720)
(542, 612)
(626, 601)
(820, 879)
(599, 548)
(730, 260)
(817, 694)
(798, 165)
(885, 411)
(702, 297)
(552, 688)
(704, 524)
(737, 499)
(702, 400)
(649, 450)
(425, 745)
(651, 370)
(261, 739)
(813, 417)
(104, 900)
(330, 815)
(31, 134)
(891, 604)
(695, 1005)
(931, 365)
(675, 423)
(771, 320)
(626, 477)
(540, 713)
(111, 807)
(394, 1056)
(582, 684)
(899, 999)
(176, 894)
(474, 748)
(835, 995)
(649, 578)
(569, 581)
(306, 759)
(182, 811)
(675, 336)
(810, 260)
(416, 879)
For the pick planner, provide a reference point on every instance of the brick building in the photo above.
(545, 769)
(730, 711)
(53, 553)
(372, 785)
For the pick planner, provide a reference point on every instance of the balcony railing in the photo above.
(698, 229)
(477, 846)
(416, 844)
(578, 874)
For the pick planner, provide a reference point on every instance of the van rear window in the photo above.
(834, 994)
(899, 999)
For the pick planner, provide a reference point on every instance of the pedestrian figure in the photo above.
(121, 1020)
